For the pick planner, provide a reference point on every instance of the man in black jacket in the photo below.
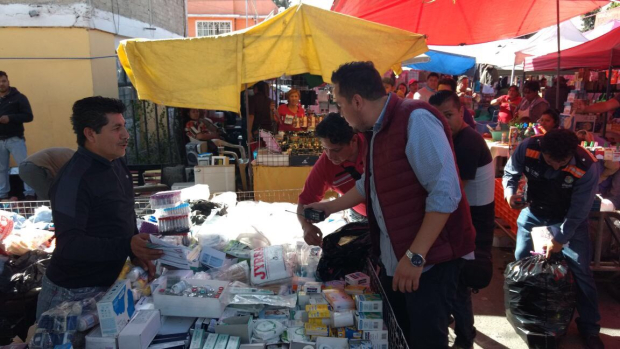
(14, 112)
(93, 209)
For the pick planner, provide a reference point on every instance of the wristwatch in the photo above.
(416, 259)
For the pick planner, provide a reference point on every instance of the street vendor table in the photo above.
(270, 178)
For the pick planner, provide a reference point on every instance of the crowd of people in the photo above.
(432, 218)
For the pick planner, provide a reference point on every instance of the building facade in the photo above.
(214, 17)
(56, 52)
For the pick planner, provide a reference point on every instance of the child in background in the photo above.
(199, 129)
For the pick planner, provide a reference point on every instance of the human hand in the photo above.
(552, 247)
(148, 266)
(579, 106)
(313, 235)
(516, 202)
(4, 119)
(140, 249)
(406, 277)
(321, 206)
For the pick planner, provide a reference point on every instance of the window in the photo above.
(210, 28)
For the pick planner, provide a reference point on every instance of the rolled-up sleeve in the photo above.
(431, 158)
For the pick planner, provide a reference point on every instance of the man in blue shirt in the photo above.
(562, 180)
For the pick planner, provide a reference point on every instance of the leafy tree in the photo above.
(282, 3)
(589, 19)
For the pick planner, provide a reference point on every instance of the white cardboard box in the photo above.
(94, 340)
(190, 306)
(220, 178)
(115, 308)
(141, 330)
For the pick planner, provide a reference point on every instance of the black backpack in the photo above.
(345, 251)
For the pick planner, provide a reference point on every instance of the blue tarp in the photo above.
(445, 63)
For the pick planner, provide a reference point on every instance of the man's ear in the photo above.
(89, 133)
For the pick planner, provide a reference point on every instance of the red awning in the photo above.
(599, 53)
(456, 22)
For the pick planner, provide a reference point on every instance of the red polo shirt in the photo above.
(325, 175)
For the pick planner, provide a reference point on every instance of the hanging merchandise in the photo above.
(539, 299)
(344, 252)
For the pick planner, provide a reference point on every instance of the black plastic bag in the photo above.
(24, 273)
(539, 299)
(344, 252)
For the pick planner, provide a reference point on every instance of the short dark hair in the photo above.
(559, 144)
(554, 114)
(388, 81)
(442, 97)
(532, 86)
(262, 87)
(514, 86)
(359, 78)
(431, 75)
(335, 128)
(92, 112)
(448, 81)
(3, 74)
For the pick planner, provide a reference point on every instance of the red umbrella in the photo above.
(456, 22)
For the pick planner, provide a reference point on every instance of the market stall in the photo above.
(235, 271)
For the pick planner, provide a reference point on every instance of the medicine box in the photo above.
(379, 335)
(370, 303)
(369, 321)
(357, 279)
(94, 340)
(339, 300)
(171, 305)
(233, 342)
(222, 341)
(211, 341)
(115, 308)
(198, 339)
(141, 330)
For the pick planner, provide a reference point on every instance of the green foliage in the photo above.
(282, 3)
(152, 141)
(589, 19)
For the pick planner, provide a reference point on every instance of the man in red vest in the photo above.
(418, 215)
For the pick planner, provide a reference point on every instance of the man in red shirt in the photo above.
(338, 168)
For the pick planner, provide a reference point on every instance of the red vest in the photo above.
(402, 197)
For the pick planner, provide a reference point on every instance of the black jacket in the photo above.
(93, 210)
(16, 106)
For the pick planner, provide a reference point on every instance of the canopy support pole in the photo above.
(557, 78)
(512, 75)
(607, 95)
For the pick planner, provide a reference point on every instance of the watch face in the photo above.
(417, 260)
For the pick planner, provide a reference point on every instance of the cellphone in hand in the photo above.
(314, 215)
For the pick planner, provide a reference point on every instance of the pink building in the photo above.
(213, 17)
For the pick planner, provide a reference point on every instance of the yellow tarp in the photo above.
(209, 72)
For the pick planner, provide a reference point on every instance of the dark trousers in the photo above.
(423, 315)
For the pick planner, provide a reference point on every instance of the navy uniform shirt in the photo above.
(93, 210)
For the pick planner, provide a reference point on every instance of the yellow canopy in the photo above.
(209, 72)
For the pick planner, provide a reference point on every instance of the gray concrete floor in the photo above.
(495, 332)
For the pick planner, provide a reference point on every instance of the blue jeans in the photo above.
(579, 248)
(52, 295)
(17, 147)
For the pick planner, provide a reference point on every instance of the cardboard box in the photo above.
(357, 279)
(368, 321)
(94, 340)
(369, 303)
(238, 326)
(141, 330)
(211, 341)
(115, 308)
(170, 305)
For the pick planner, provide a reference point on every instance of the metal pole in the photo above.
(557, 79)
(246, 15)
(607, 96)
(512, 74)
